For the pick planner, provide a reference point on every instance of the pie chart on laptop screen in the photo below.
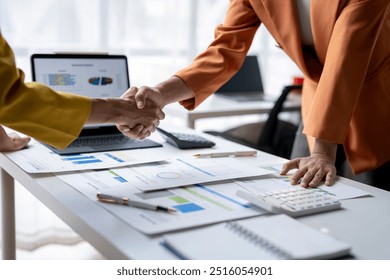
(102, 81)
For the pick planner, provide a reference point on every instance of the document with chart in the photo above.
(195, 205)
(39, 159)
(178, 172)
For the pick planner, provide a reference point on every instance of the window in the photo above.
(159, 37)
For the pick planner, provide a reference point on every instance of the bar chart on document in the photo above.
(80, 159)
(39, 159)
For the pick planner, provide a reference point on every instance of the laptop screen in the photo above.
(247, 79)
(97, 76)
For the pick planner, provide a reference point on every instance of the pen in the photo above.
(126, 201)
(227, 154)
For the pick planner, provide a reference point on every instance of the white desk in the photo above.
(363, 222)
(216, 106)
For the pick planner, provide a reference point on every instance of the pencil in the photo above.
(227, 154)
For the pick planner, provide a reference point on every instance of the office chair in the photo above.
(273, 136)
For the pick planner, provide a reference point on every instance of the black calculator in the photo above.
(185, 140)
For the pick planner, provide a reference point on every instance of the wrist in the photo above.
(172, 90)
(325, 149)
(102, 111)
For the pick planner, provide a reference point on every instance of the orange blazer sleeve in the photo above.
(36, 110)
(224, 56)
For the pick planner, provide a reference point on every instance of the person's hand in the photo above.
(12, 141)
(144, 98)
(172, 90)
(148, 93)
(313, 169)
(143, 120)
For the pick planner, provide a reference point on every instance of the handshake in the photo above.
(136, 114)
(141, 112)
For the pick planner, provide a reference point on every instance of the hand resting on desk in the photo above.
(12, 141)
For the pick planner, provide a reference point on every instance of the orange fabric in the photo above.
(346, 94)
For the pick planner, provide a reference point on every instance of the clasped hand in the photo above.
(139, 122)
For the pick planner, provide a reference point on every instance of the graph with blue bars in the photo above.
(81, 159)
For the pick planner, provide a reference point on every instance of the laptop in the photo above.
(95, 76)
(246, 84)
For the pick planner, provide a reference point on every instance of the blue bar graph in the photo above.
(189, 207)
(87, 161)
(73, 158)
(81, 159)
(114, 157)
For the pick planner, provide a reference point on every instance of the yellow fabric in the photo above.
(346, 95)
(36, 110)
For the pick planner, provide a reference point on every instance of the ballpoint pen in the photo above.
(227, 154)
(126, 201)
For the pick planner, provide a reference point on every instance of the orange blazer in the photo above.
(346, 93)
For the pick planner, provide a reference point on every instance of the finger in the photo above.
(131, 132)
(2, 132)
(141, 96)
(137, 130)
(157, 123)
(19, 142)
(292, 164)
(160, 115)
(317, 178)
(308, 177)
(133, 90)
(330, 177)
(146, 134)
(123, 128)
(132, 135)
(298, 175)
(130, 92)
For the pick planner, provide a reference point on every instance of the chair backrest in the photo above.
(273, 136)
(268, 134)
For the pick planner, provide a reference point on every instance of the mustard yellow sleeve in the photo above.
(36, 110)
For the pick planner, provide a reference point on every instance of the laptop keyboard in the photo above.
(101, 140)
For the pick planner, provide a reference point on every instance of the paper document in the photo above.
(184, 171)
(196, 204)
(39, 159)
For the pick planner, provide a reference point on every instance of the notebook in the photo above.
(260, 238)
(92, 75)
(246, 84)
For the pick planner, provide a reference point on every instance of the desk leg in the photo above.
(8, 216)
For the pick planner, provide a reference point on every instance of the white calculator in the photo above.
(293, 201)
